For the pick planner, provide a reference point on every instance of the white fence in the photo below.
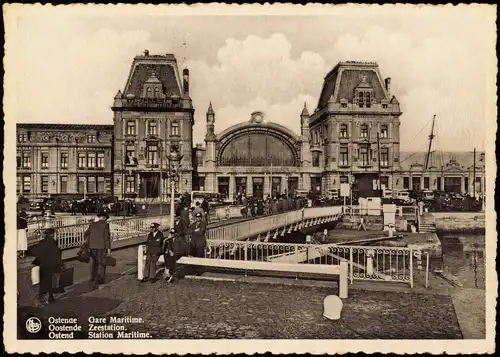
(401, 211)
(365, 262)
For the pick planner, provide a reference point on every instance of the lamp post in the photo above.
(174, 160)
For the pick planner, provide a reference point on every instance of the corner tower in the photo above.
(153, 115)
(357, 114)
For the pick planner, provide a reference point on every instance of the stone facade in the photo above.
(152, 116)
(355, 127)
(64, 159)
(255, 158)
(352, 136)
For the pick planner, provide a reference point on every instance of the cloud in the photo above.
(69, 69)
(256, 74)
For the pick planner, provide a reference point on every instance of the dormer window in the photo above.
(364, 94)
(153, 87)
(343, 103)
(361, 101)
(149, 92)
(152, 128)
(157, 92)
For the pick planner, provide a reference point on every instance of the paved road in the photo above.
(221, 309)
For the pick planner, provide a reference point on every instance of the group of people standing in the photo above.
(272, 205)
(186, 238)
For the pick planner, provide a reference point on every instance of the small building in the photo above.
(71, 160)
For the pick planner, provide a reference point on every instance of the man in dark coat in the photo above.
(197, 231)
(154, 248)
(98, 238)
(176, 247)
(206, 209)
(48, 258)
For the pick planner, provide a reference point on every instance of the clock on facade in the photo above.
(45, 138)
(257, 117)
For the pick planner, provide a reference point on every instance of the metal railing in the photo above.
(365, 263)
(401, 211)
(262, 225)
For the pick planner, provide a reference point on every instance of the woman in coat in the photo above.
(48, 258)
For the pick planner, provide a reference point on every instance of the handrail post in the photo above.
(296, 260)
(246, 255)
(411, 268)
(427, 270)
(351, 265)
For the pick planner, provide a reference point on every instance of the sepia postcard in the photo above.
(250, 178)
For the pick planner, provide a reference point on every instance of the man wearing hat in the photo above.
(48, 257)
(198, 242)
(154, 248)
(98, 238)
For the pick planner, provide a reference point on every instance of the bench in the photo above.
(339, 270)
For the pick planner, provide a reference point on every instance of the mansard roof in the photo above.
(164, 68)
(345, 77)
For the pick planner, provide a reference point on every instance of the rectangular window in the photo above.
(343, 131)
(64, 184)
(100, 160)
(152, 155)
(22, 138)
(426, 183)
(45, 184)
(315, 158)
(363, 131)
(100, 184)
(91, 138)
(383, 131)
(152, 127)
(19, 161)
(130, 185)
(45, 160)
(91, 161)
(406, 183)
(384, 157)
(130, 155)
(438, 184)
(26, 160)
(26, 184)
(130, 127)
(19, 184)
(82, 160)
(64, 160)
(364, 159)
(91, 184)
(466, 182)
(174, 129)
(344, 155)
(82, 184)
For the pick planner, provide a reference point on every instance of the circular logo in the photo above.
(33, 325)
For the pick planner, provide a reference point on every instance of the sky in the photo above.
(65, 64)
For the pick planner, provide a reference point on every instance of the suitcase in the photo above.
(65, 278)
(110, 261)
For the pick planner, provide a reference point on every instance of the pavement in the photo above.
(252, 307)
(208, 309)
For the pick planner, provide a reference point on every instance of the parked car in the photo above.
(403, 196)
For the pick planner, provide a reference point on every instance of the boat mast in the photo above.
(430, 144)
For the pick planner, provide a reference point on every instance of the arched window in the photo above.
(157, 92)
(149, 92)
(257, 149)
(368, 101)
(361, 100)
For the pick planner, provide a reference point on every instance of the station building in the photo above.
(351, 136)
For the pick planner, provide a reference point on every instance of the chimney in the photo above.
(146, 53)
(388, 85)
(185, 75)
